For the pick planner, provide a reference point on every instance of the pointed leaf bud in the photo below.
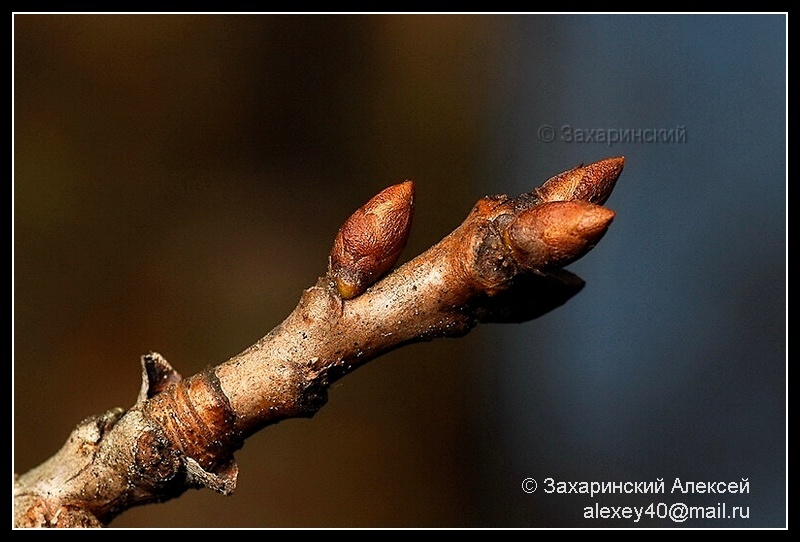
(555, 234)
(592, 183)
(370, 241)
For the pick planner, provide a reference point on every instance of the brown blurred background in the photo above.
(179, 180)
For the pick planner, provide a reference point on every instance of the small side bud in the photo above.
(555, 234)
(592, 183)
(370, 241)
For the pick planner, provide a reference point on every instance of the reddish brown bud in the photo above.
(592, 183)
(555, 234)
(370, 241)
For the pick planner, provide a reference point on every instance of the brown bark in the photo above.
(502, 264)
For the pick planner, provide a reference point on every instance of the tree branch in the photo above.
(502, 264)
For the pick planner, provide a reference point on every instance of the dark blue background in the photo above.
(671, 363)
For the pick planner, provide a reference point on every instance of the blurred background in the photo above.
(178, 181)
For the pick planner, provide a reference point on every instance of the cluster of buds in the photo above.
(566, 219)
(550, 227)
